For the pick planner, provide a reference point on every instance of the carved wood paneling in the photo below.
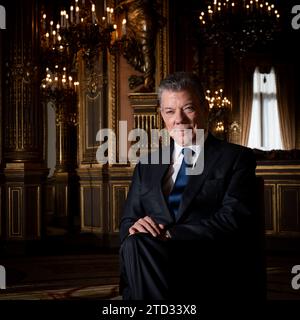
(270, 207)
(102, 195)
(23, 201)
(289, 207)
(282, 197)
(92, 102)
(15, 223)
(24, 211)
(91, 208)
(117, 200)
(93, 116)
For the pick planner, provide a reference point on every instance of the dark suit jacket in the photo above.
(218, 211)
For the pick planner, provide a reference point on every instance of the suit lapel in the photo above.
(158, 178)
(211, 155)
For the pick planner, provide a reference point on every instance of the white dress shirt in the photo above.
(177, 158)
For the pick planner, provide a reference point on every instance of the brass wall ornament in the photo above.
(94, 85)
(138, 37)
(239, 25)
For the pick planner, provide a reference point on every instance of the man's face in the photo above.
(181, 110)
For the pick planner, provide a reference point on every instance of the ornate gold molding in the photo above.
(23, 131)
(278, 170)
(92, 107)
(113, 92)
(284, 167)
(273, 207)
(15, 224)
(116, 206)
(163, 44)
(279, 189)
(96, 211)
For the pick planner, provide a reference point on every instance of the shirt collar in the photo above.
(195, 147)
(178, 151)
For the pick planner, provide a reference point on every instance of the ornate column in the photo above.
(23, 123)
(65, 178)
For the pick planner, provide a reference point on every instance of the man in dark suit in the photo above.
(192, 236)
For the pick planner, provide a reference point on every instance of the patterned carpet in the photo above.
(95, 276)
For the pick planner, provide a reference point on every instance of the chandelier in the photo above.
(78, 32)
(216, 100)
(219, 110)
(239, 24)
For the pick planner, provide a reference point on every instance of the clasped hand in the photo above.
(147, 225)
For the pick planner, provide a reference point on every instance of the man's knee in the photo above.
(143, 244)
(135, 240)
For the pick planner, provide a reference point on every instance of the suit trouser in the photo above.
(144, 262)
(153, 269)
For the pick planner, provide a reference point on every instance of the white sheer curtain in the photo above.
(264, 128)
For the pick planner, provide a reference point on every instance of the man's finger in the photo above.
(139, 228)
(144, 223)
(152, 223)
(132, 230)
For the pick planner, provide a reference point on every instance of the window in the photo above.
(264, 128)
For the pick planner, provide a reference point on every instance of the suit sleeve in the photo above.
(133, 210)
(237, 212)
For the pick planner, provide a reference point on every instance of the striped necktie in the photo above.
(181, 181)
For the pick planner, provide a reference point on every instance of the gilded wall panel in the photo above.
(91, 197)
(15, 223)
(92, 101)
(119, 193)
(289, 208)
(270, 208)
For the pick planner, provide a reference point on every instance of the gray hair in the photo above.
(180, 81)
